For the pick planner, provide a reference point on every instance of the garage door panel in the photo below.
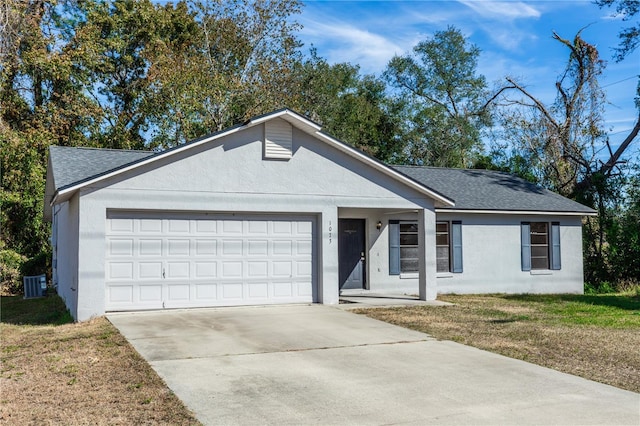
(258, 269)
(232, 291)
(178, 247)
(258, 290)
(257, 227)
(179, 292)
(150, 226)
(205, 226)
(303, 269)
(282, 248)
(206, 247)
(206, 292)
(304, 289)
(150, 293)
(150, 270)
(208, 261)
(206, 269)
(178, 226)
(120, 294)
(120, 226)
(232, 247)
(149, 247)
(120, 271)
(257, 247)
(231, 227)
(178, 270)
(121, 247)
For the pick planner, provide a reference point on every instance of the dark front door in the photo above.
(351, 251)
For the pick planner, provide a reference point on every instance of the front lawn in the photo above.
(593, 336)
(53, 371)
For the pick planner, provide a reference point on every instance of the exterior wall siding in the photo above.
(491, 256)
(231, 176)
(66, 245)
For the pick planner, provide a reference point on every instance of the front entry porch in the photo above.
(375, 257)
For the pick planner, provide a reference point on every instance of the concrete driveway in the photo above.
(318, 364)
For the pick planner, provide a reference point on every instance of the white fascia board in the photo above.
(297, 120)
(517, 212)
(384, 169)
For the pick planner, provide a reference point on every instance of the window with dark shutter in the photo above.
(540, 246)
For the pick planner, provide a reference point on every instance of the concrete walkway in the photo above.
(354, 299)
(316, 364)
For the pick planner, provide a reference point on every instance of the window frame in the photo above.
(409, 246)
(530, 240)
(454, 247)
(535, 242)
(449, 247)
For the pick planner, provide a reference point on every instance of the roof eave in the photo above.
(518, 212)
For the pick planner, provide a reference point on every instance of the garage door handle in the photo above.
(162, 272)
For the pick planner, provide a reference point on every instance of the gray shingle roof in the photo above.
(490, 190)
(470, 189)
(72, 165)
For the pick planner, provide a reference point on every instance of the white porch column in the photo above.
(427, 254)
(328, 285)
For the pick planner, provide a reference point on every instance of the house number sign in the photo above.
(330, 231)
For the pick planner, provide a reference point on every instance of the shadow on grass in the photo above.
(631, 303)
(48, 310)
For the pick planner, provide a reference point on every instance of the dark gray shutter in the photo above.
(525, 232)
(394, 247)
(555, 246)
(456, 240)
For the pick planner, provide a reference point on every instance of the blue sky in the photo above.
(514, 38)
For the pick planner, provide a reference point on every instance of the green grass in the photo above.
(49, 310)
(618, 311)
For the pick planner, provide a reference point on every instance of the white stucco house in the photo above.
(276, 211)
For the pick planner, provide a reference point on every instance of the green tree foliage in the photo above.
(629, 36)
(446, 105)
(625, 236)
(42, 103)
(118, 40)
(238, 64)
(351, 107)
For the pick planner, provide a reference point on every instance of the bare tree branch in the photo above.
(613, 160)
(538, 104)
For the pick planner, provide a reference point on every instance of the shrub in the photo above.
(11, 264)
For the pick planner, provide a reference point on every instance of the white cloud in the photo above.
(508, 10)
(343, 42)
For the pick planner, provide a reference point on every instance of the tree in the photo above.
(630, 36)
(238, 64)
(352, 107)
(120, 39)
(445, 103)
(71, 73)
(565, 142)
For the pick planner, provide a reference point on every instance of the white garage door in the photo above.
(174, 261)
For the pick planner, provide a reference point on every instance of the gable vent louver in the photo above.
(278, 140)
